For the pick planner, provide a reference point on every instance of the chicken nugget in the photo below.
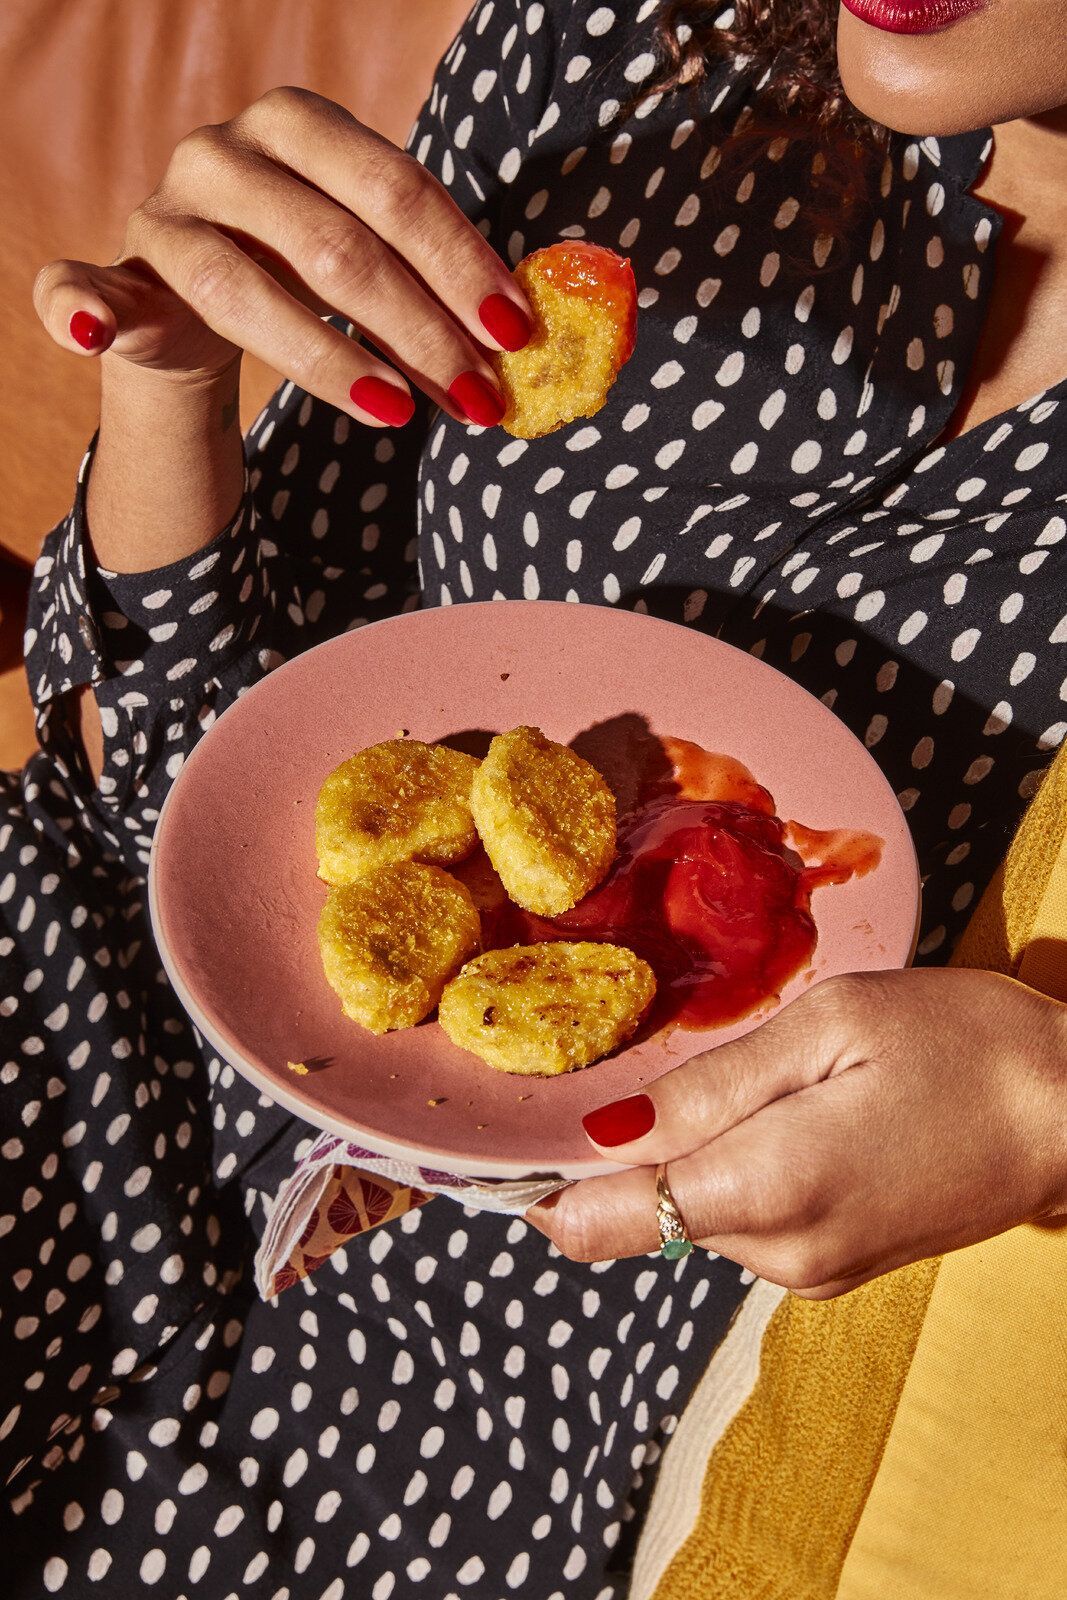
(546, 819)
(397, 801)
(478, 874)
(584, 301)
(544, 1009)
(391, 941)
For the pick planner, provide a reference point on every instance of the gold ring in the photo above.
(674, 1241)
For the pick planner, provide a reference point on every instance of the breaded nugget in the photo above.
(397, 801)
(584, 301)
(547, 1008)
(546, 818)
(478, 874)
(391, 941)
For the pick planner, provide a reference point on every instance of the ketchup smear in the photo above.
(710, 887)
(599, 276)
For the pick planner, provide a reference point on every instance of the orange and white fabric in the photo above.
(340, 1190)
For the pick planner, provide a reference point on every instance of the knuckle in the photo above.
(286, 113)
(772, 1209)
(196, 151)
(313, 365)
(801, 1205)
(397, 190)
(427, 348)
(571, 1231)
(789, 1187)
(141, 221)
(210, 279)
(728, 1102)
(803, 1264)
(733, 1193)
(847, 994)
(339, 260)
(285, 101)
(754, 1196)
(734, 1199)
(319, 358)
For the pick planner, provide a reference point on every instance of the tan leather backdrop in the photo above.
(94, 94)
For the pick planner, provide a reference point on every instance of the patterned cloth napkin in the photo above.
(339, 1190)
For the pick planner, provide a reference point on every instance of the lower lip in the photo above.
(912, 16)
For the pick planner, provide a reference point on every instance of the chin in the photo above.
(914, 102)
(931, 84)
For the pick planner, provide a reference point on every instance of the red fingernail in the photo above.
(383, 400)
(621, 1120)
(88, 330)
(503, 319)
(477, 399)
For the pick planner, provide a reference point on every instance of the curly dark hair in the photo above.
(790, 46)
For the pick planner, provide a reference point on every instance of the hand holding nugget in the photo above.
(881, 1118)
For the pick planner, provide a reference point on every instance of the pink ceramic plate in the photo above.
(235, 899)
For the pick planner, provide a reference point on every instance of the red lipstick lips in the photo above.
(911, 16)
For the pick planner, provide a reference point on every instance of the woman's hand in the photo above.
(264, 224)
(880, 1119)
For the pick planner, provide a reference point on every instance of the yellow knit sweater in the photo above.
(909, 1440)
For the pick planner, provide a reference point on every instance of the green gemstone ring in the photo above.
(674, 1241)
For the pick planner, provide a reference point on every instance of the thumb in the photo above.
(88, 309)
(805, 1042)
(73, 300)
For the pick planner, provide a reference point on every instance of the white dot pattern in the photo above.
(450, 1404)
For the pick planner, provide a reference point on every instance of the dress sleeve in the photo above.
(166, 651)
(325, 537)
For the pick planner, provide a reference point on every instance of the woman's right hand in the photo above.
(265, 224)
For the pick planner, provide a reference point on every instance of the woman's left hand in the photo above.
(879, 1119)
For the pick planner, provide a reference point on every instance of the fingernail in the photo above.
(88, 330)
(477, 399)
(383, 400)
(504, 320)
(621, 1120)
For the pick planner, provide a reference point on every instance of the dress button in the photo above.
(90, 638)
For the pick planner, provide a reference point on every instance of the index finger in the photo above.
(805, 1042)
(404, 203)
(790, 1193)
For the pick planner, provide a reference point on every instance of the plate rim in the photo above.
(291, 1100)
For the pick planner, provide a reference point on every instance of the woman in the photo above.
(791, 460)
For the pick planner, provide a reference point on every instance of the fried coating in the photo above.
(391, 941)
(546, 819)
(478, 874)
(397, 801)
(544, 1009)
(584, 301)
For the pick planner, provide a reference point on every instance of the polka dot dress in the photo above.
(448, 1407)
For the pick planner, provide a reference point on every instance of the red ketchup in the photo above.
(599, 276)
(711, 888)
